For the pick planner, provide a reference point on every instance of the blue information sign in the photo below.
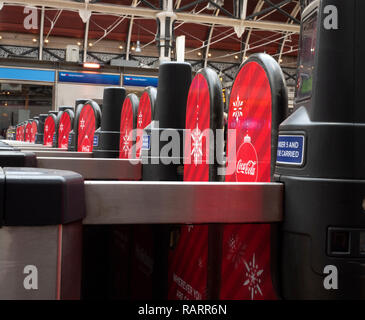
(290, 150)
(89, 77)
(27, 74)
(139, 81)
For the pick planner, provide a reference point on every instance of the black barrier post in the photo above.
(107, 137)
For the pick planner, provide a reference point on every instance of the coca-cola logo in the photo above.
(248, 167)
(247, 162)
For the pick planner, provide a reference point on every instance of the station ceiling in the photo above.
(67, 23)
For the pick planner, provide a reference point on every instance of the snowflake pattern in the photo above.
(82, 126)
(126, 143)
(237, 109)
(61, 127)
(140, 119)
(197, 137)
(236, 251)
(253, 277)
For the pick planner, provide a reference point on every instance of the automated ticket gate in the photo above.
(320, 159)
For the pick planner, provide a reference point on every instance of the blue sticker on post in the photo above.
(96, 141)
(146, 144)
(290, 150)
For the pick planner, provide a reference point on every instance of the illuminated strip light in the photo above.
(91, 65)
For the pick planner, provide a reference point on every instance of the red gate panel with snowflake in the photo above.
(188, 262)
(126, 127)
(28, 132)
(245, 270)
(49, 130)
(86, 129)
(34, 131)
(64, 129)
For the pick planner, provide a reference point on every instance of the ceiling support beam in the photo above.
(40, 53)
(211, 29)
(258, 7)
(86, 39)
(282, 46)
(150, 13)
(129, 35)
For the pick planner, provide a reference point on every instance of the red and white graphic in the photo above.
(49, 131)
(126, 143)
(28, 131)
(253, 280)
(236, 251)
(126, 127)
(86, 129)
(196, 150)
(237, 109)
(64, 130)
(247, 162)
(188, 262)
(197, 144)
(143, 120)
(245, 272)
(33, 131)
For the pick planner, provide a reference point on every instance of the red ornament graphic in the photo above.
(126, 127)
(49, 131)
(64, 129)
(143, 120)
(33, 132)
(86, 129)
(28, 132)
(247, 162)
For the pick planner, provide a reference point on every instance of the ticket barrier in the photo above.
(40, 241)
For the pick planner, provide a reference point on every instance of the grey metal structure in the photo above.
(123, 202)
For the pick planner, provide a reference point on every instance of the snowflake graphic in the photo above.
(82, 126)
(197, 137)
(236, 251)
(46, 128)
(61, 127)
(126, 142)
(190, 227)
(140, 119)
(253, 277)
(237, 109)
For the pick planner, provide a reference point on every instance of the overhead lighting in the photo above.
(199, 54)
(1, 37)
(138, 46)
(209, 54)
(90, 44)
(133, 48)
(121, 47)
(34, 40)
(91, 65)
(280, 60)
(236, 57)
(46, 41)
(79, 43)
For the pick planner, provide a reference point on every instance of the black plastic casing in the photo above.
(327, 191)
(62, 192)
(108, 134)
(40, 132)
